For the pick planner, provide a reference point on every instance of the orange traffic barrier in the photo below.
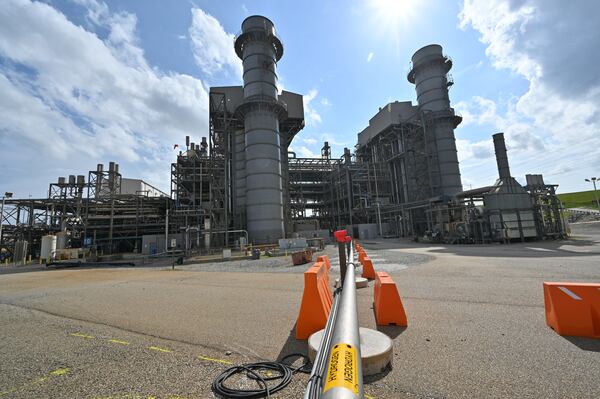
(573, 309)
(316, 301)
(388, 305)
(325, 259)
(361, 255)
(368, 270)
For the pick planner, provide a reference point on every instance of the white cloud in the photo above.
(468, 150)
(477, 111)
(542, 43)
(212, 46)
(305, 152)
(70, 99)
(335, 141)
(309, 140)
(311, 114)
(370, 56)
(325, 102)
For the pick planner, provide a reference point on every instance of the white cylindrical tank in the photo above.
(61, 240)
(48, 247)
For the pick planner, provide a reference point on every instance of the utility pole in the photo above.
(6, 195)
(593, 180)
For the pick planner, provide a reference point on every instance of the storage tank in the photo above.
(61, 240)
(429, 74)
(260, 49)
(48, 247)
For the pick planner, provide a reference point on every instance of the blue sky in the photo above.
(92, 81)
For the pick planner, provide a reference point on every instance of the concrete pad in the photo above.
(376, 350)
(360, 282)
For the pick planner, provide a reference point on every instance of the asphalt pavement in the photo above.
(476, 324)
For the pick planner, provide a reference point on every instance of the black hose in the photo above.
(284, 371)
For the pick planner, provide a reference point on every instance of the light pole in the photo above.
(6, 195)
(593, 180)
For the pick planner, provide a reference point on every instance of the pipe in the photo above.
(167, 229)
(342, 255)
(343, 378)
(315, 381)
(2, 217)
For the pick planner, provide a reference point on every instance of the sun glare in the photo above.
(394, 14)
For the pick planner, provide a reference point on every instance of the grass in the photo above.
(581, 199)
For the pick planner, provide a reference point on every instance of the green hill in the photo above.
(582, 199)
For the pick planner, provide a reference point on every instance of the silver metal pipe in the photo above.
(343, 376)
(315, 382)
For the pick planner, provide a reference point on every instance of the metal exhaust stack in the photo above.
(429, 74)
(260, 49)
(501, 157)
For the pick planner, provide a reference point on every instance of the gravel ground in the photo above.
(476, 324)
(96, 361)
(282, 264)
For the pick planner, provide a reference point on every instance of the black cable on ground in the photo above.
(253, 371)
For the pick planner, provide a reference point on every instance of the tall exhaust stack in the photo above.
(259, 48)
(429, 74)
(501, 157)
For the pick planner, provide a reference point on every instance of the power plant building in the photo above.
(242, 184)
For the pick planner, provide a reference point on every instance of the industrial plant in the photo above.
(242, 185)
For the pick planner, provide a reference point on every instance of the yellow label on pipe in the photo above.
(342, 371)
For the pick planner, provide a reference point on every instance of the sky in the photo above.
(89, 81)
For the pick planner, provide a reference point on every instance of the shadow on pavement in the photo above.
(588, 344)
(391, 331)
(376, 377)
(530, 249)
(293, 345)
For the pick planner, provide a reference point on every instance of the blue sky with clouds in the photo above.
(88, 81)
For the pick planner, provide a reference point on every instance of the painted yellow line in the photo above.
(61, 371)
(159, 349)
(117, 341)
(8, 391)
(368, 397)
(81, 335)
(40, 380)
(211, 359)
(127, 396)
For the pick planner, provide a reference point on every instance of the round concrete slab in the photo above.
(376, 350)
(360, 282)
